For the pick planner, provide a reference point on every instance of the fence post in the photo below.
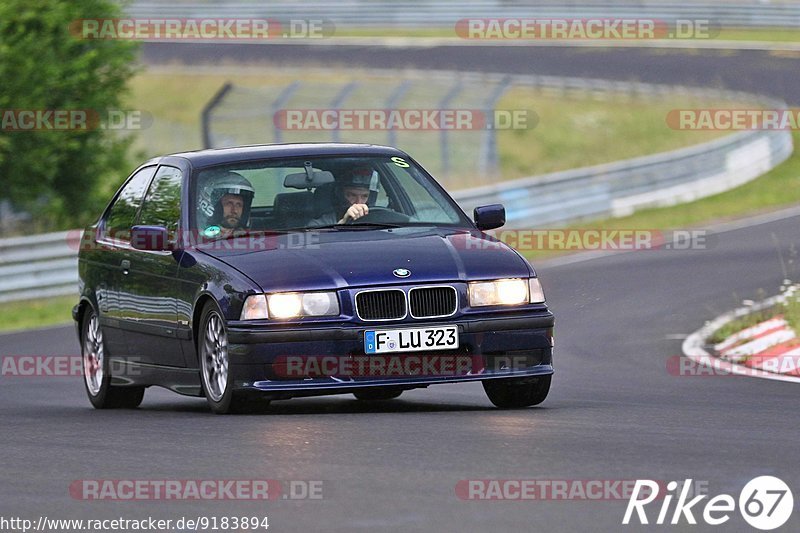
(391, 103)
(444, 141)
(279, 102)
(205, 115)
(337, 102)
(487, 156)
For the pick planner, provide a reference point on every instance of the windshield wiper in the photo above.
(362, 225)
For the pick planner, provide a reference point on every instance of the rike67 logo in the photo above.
(765, 503)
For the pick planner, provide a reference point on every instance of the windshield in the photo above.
(308, 193)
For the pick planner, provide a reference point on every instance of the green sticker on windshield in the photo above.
(212, 231)
(400, 162)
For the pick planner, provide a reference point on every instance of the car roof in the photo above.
(217, 156)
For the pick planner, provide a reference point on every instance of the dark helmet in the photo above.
(362, 177)
(357, 177)
(217, 187)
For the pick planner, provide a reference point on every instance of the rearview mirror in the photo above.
(300, 179)
(150, 238)
(489, 216)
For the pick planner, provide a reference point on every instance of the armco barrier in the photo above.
(46, 265)
(619, 188)
(409, 14)
(38, 266)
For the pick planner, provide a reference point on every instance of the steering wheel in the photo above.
(381, 215)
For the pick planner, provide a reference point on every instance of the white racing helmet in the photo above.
(210, 206)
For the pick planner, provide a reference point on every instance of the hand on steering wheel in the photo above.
(354, 212)
(378, 215)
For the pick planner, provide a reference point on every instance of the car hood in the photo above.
(358, 258)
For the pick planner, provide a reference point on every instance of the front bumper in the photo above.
(289, 362)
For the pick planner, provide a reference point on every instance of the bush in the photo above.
(60, 177)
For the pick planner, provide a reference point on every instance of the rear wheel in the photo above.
(378, 394)
(97, 377)
(517, 393)
(216, 378)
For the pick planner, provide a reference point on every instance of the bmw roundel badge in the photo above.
(401, 272)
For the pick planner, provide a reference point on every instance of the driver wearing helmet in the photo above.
(226, 201)
(351, 196)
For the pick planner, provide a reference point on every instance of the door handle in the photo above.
(126, 266)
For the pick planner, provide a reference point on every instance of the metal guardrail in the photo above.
(38, 266)
(620, 188)
(46, 265)
(407, 14)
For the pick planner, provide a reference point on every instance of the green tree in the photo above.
(60, 176)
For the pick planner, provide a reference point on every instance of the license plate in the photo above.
(410, 340)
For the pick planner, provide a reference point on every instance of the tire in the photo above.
(378, 394)
(215, 377)
(96, 373)
(517, 393)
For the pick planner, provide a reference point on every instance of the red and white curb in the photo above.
(768, 350)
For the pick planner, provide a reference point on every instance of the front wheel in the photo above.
(517, 393)
(97, 377)
(216, 377)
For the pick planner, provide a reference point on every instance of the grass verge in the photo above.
(571, 129)
(778, 188)
(790, 310)
(780, 35)
(609, 130)
(35, 314)
(736, 325)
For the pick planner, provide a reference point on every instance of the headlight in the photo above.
(289, 305)
(294, 304)
(320, 304)
(498, 292)
(255, 307)
(536, 291)
(285, 305)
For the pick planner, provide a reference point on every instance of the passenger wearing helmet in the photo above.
(351, 197)
(226, 202)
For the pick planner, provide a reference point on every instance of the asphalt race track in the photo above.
(773, 73)
(614, 412)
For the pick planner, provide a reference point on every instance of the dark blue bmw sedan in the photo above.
(270, 272)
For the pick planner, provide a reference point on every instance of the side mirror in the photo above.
(489, 216)
(150, 238)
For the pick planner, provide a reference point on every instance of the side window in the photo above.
(162, 204)
(122, 214)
